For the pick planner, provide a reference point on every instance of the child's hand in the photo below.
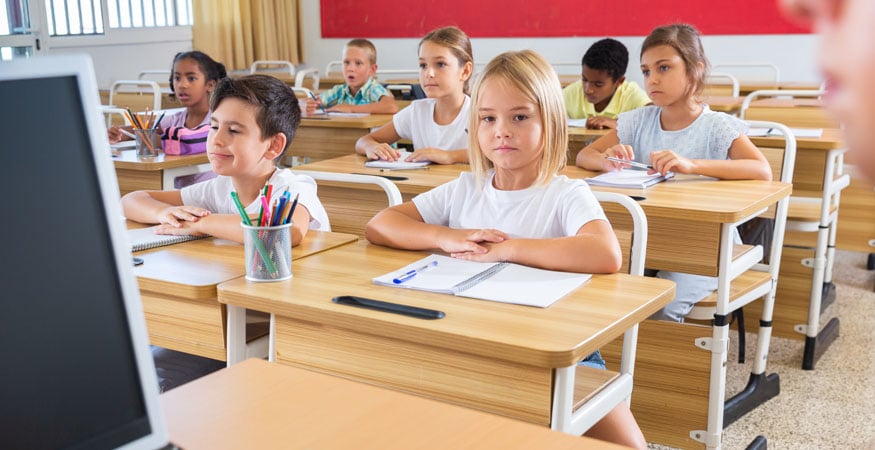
(665, 161)
(432, 154)
(384, 152)
(115, 134)
(601, 123)
(617, 151)
(463, 242)
(312, 106)
(341, 107)
(183, 229)
(172, 216)
(495, 252)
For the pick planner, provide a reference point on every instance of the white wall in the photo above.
(123, 55)
(793, 54)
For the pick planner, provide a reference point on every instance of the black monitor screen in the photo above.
(69, 377)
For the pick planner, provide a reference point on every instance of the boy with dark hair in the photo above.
(603, 91)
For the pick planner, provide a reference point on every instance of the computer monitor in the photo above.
(76, 367)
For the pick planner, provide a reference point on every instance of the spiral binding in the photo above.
(471, 282)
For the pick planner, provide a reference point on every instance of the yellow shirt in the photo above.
(627, 97)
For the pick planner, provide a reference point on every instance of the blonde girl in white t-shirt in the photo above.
(437, 124)
(514, 206)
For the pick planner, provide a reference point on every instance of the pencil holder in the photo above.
(268, 252)
(148, 141)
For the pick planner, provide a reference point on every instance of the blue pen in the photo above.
(412, 273)
(318, 102)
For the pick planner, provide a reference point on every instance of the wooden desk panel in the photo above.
(488, 355)
(798, 112)
(256, 404)
(319, 139)
(856, 226)
(178, 289)
(147, 173)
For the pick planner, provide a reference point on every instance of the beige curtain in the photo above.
(238, 32)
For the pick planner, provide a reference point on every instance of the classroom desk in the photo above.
(723, 103)
(681, 214)
(746, 87)
(805, 112)
(178, 289)
(261, 405)
(137, 173)
(492, 356)
(321, 138)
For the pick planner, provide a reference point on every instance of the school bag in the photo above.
(185, 141)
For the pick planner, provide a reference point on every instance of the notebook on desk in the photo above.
(628, 178)
(499, 282)
(348, 115)
(398, 164)
(797, 132)
(145, 238)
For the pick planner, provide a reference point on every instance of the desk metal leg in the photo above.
(236, 334)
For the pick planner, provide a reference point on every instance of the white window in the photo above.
(86, 17)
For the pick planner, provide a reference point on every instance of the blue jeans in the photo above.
(594, 360)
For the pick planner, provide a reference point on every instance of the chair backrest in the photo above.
(794, 108)
(630, 225)
(372, 195)
(160, 76)
(330, 70)
(727, 85)
(313, 74)
(137, 95)
(284, 70)
(746, 67)
(115, 116)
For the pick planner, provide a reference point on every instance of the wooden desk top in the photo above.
(128, 159)
(694, 197)
(574, 133)
(193, 269)
(831, 139)
(256, 404)
(746, 87)
(723, 103)
(369, 121)
(804, 102)
(557, 336)
(416, 182)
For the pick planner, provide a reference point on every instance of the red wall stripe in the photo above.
(548, 18)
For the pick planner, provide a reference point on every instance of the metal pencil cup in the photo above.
(268, 252)
(148, 142)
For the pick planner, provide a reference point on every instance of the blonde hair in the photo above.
(365, 45)
(684, 39)
(457, 41)
(530, 74)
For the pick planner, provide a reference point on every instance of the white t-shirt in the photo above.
(215, 196)
(416, 122)
(708, 137)
(557, 209)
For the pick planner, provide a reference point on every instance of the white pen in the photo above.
(412, 273)
(630, 162)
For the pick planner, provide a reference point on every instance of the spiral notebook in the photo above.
(628, 178)
(145, 238)
(499, 282)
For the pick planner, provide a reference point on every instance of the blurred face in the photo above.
(665, 75)
(357, 67)
(439, 71)
(847, 57)
(599, 87)
(190, 84)
(510, 128)
(234, 145)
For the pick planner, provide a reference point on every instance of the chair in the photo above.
(597, 392)
(162, 77)
(115, 116)
(721, 89)
(789, 109)
(135, 95)
(331, 72)
(335, 190)
(775, 72)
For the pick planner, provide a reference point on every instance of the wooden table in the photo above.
(746, 87)
(261, 405)
(178, 289)
(796, 112)
(325, 138)
(723, 103)
(137, 173)
(491, 356)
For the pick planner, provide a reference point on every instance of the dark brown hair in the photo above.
(277, 106)
(457, 41)
(684, 39)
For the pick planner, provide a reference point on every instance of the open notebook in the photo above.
(628, 178)
(499, 282)
(797, 132)
(398, 164)
(145, 238)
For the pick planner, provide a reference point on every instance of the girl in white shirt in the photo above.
(437, 124)
(514, 206)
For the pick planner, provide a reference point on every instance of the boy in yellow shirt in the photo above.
(603, 91)
(360, 93)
